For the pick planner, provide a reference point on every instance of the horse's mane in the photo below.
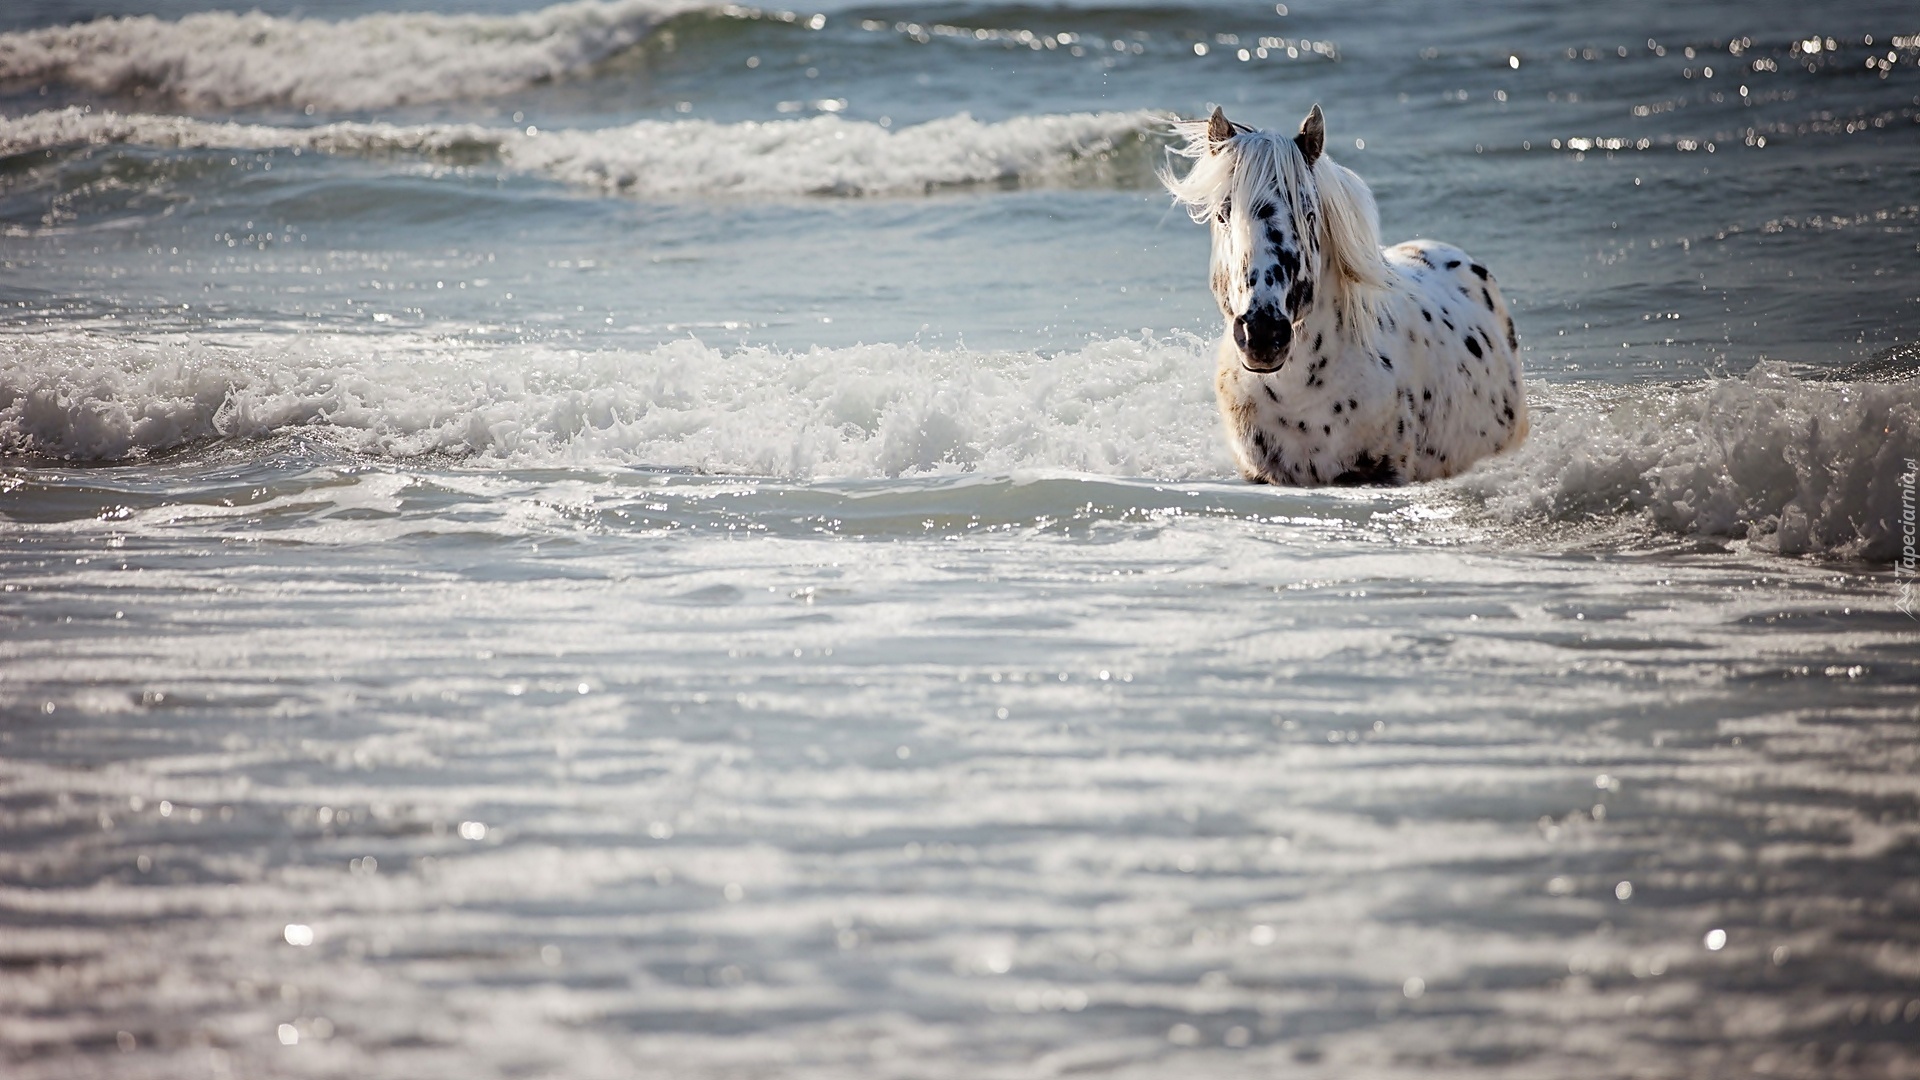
(1252, 163)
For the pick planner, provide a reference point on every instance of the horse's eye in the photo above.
(1265, 211)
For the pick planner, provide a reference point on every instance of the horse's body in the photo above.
(1343, 363)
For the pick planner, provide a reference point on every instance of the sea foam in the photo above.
(1792, 465)
(1136, 407)
(226, 59)
(823, 154)
(1789, 465)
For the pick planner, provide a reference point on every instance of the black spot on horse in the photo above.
(1386, 363)
(1317, 339)
(1300, 296)
(1326, 429)
(1513, 339)
(1271, 396)
(1303, 425)
(1336, 408)
(1426, 395)
(1479, 271)
(1427, 314)
(1488, 297)
(1453, 264)
(1473, 347)
(1367, 469)
(1351, 404)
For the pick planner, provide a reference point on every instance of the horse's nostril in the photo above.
(1282, 334)
(1262, 334)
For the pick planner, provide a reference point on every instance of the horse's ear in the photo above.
(1313, 135)
(1219, 129)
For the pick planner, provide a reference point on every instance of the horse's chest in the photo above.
(1308, 426)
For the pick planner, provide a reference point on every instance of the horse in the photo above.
(1341, 363)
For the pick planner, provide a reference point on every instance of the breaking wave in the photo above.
(822, 154)
(1792, 466)
(222, 59)
(1124, 407)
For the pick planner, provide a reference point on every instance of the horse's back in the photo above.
(1470, 402)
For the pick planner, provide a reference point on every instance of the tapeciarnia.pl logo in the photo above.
(1904, 568)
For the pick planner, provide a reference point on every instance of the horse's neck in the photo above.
(1327, 324)
(1337, 319)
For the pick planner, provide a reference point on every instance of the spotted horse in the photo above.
(1342, 363)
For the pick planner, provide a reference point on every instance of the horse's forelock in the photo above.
(1251, 168)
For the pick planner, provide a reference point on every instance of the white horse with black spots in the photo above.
(1342, 363)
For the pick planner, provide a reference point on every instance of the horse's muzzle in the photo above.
(1262, 338)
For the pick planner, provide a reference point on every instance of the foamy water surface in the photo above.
(637, 538)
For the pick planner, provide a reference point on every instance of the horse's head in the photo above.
(1287, 228)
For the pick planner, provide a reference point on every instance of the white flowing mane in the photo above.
(1254, 165)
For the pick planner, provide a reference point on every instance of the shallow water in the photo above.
(742, 578)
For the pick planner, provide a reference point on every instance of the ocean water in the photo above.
(641, 538)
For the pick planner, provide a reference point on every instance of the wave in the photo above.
(225, 59)
(1129, 407)
(823, 154)
(1794, 466)
(1788, 465)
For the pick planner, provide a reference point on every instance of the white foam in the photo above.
(225, 59)
(1791, 466)
(1125, 407)
(82, 125)
(823, 154)
(1794, 466)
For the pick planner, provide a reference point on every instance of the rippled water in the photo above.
(654, 540)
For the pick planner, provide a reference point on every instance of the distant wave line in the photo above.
(824, 154)
(227, 59)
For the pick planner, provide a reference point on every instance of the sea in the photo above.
(664, 539)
